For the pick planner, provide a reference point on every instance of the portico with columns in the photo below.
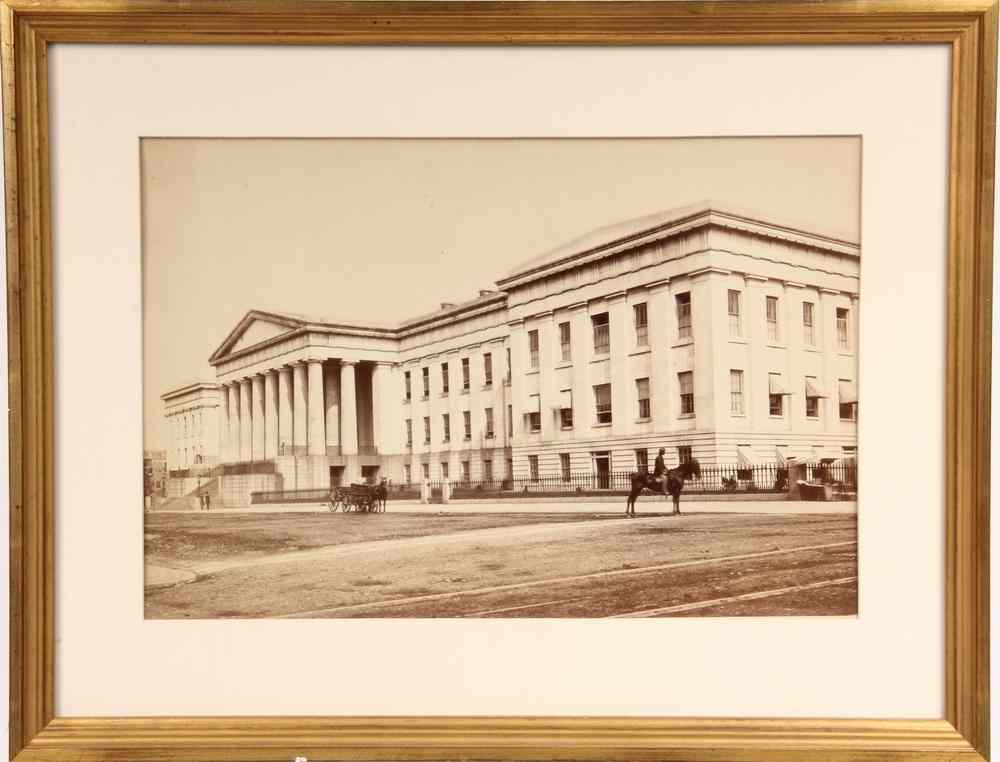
(303, 404)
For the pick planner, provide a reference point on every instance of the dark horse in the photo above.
(673, 483)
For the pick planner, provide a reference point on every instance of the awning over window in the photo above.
(534, 404)
(848, 392)
(744, 457)
(813, 389)
(566, 399)
(775, 385)
(779, 456)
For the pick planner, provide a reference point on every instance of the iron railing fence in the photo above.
(715, 479)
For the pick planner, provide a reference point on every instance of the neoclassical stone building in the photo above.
(707, 330)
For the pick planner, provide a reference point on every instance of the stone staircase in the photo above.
(191, 502)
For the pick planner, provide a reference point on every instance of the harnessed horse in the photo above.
(673, 483)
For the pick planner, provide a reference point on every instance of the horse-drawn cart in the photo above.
(360, 498)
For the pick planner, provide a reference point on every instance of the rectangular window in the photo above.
(642, 459)
(564, 342)
(407, 473)
(772, 318)
(487, 470)
(642, 394)
(602, 402)
(534, 422)
(446, 427)
(641, 325)
(444, 378)
(684, 454)
(533, 467)
(735, 320)
(812, 401)
(736, 392)
(775, 402)
(465, 374)
(685, 382)
(489, 423)
(566, 417)
(510, 421)
(848, 400)
(409, 433)
(426, 374)
(406, 385)
(533, 350)
(465, 471)
(683, 315)
(602, 334)
(444, 469)
(564, 466)
(425, 471)
(809, 324)
(427, 430)
(842, 338)
(488, 369)
(467, 425)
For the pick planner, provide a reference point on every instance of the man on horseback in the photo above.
(659, 472)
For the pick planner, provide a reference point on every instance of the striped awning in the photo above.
(743, 459)
(776, 385)
(848, 392)
(813, 389)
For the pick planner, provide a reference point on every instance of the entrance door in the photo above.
(369, 474)
(336, 476)
(602, 467)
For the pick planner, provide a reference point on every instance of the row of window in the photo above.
(489, 431)
(465, 473)
(425, 373)
(685, 382)
(601, 326)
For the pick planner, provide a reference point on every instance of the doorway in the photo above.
(602, 467)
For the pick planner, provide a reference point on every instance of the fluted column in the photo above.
(331, 377)
(348, 409)
(284, 410)
(224, 424)
(257, 418)
(246, 429)
(317, 414)
(380, 374)
(299, 408)
(233, 451)
(270, 414)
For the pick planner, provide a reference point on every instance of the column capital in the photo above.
(348, 363)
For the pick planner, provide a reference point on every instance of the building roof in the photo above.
(671, 221)
(187, 388)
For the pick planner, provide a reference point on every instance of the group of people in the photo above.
(205, 501)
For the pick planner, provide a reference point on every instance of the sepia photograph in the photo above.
(500, 378)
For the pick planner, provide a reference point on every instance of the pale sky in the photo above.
(381, 230)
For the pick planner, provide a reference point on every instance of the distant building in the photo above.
(192, 413)
(154, 473)
(714, 333)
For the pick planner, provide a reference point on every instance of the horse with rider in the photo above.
(663, 480)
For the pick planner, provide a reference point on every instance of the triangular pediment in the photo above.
(255, 328)
(256, 332)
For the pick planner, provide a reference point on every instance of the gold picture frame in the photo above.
(969, 27)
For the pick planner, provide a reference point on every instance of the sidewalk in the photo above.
(597, 506)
